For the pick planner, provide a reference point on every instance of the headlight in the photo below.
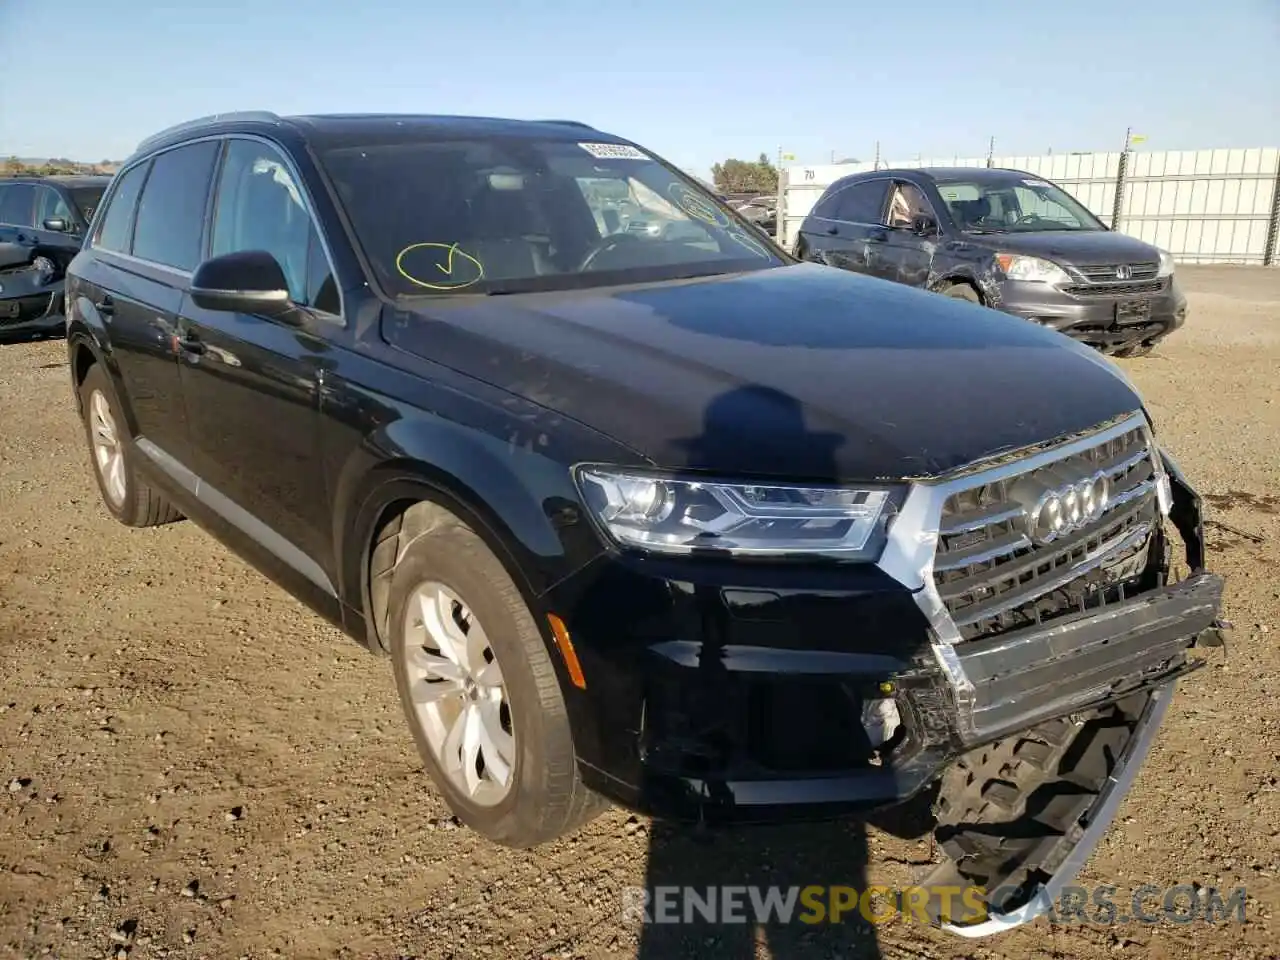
(1166, 264)
(665, 515)
(1017, 267)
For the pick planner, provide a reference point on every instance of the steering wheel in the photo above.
(603, 245)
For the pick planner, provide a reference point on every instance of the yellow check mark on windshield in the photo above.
(448, 269)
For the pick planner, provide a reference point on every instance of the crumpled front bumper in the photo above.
(1143, 643)
(1149, 637)
(1022, 677)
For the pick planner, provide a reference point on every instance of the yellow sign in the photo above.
(788, 156)
(1138, 138)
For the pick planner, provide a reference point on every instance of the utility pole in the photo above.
(877, 161)
(991, 152)
(780, 208)
(1121, 168)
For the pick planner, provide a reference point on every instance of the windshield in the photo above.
(507, 215)
(1020, 204)
(86, 200)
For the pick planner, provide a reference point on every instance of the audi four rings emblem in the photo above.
(1068, 508)
(1124, 272)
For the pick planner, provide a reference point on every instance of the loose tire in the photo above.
(127, 496)
(478, 687)
(962, 291)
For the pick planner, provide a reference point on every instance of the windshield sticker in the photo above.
(613, 151)
(447, 266)
(696, 206)
(751, 243)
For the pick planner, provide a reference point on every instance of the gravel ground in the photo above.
(198, 767)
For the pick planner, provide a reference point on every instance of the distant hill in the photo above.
(47, 166)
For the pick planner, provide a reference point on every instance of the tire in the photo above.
(126, 495)
(445, 567)
(1141, 350)
(802, 250)
(962, 291)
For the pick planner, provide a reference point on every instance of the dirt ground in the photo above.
(193, 765)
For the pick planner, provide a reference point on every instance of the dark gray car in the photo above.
(43, 221)
(1003, 238)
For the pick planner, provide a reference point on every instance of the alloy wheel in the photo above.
(108, 451)
(458, 694)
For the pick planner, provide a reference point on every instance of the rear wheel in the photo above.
(961, 291)
(478, 687)
(127, 495)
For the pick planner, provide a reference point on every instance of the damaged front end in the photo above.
(1062, 653)
(1008, 658)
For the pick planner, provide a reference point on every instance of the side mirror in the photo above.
(249, 281)
(57, 225)
(924, 226)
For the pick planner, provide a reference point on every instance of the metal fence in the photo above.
(1203, 206)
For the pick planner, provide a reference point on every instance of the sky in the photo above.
(695, 81)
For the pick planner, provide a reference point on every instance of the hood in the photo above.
(1078, 247)
(804, 371)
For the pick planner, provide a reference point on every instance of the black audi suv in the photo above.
(661, 518)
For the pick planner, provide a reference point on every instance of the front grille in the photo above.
(1107, 272)
(1147, 287)
(993, 577)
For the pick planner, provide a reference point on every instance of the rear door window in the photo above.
(825, 208)
(861, 202)
(170, 223)
(17, 205)
(117, 223)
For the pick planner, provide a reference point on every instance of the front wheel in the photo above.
(478, 687)
(1140, 350)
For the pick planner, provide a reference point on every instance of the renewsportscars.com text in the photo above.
(1103, 905)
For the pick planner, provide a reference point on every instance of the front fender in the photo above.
(517, 495)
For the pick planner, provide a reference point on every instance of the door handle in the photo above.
(190, 345)
(106, 306)
(878, 236)
(833, 230)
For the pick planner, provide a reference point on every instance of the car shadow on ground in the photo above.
(13, 337)
(777, 861)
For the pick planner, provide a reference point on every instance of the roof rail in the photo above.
(569, 123)
(263, 115)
